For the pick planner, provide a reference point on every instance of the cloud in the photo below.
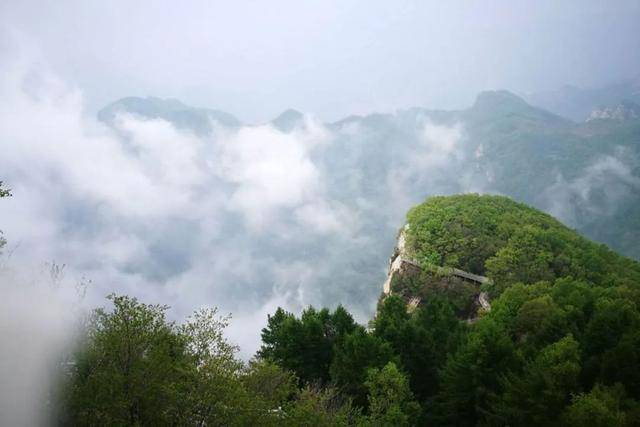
(271, 170)
(157, 212)
(38, 314)
(246, 219)
(597, 191)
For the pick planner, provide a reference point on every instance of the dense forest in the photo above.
(560, 345)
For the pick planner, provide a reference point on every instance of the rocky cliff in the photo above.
(415, 283)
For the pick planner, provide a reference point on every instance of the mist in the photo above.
(253, 214)
(331, 58)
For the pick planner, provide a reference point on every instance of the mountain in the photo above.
(497, 314)
(502, 103)
(372, 168)
(198, 120)
(288, 120)
(587, 174)
(499, 243)
(577, 103)
(559, 337)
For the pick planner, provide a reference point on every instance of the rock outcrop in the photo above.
(402, 268)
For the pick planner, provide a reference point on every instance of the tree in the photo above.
(391, 322)
(390, 399)
(4, 192)
(601, 407)
(318, 407)
(305, 345)
(353, 357)
(471, 375)
(272, 384)
(128, 369)
(538, 395)
(421, 339)
(136, 368)
(213, 390)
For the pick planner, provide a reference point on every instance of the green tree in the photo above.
(390, 399)
(137, 368)
(352, 358)
(420, 339)
(471, 375)
(305, 345)
(272, 384)
(601, 407)
(538, 394)
(213, 390)
(318, 407)
(611, 339)
(4, 192)
(129, 368)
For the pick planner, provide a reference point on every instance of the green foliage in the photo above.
(305, 346)
(127, 372)
(509, 242)
(4, 192)
(390, 399)
(537, 395)
(353, 357)
(471, 375)
(421, 339)
(316, 407)
(602, 407)
(270, 382)
(137, 368)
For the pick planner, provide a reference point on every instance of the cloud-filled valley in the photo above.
(245, 217)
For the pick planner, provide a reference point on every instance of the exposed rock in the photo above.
(435, 279)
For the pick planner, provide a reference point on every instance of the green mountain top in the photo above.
(510, 243)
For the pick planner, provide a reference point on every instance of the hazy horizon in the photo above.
(332, 59)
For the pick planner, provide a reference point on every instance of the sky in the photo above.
(255, 59)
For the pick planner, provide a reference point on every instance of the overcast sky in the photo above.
(332, 58)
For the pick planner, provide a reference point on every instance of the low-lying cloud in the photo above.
(244, 218)
(596, 192)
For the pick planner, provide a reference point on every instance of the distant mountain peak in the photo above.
(198, 120)
(494, 98)
(288, 120)
(497, 103)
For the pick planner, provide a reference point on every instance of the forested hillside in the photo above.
(560, 345)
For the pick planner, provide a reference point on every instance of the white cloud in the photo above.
(270, 169)
(156, 212)
(245, 219)
(598, 190)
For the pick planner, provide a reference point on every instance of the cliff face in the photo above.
(399, 263)
(416, 283)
